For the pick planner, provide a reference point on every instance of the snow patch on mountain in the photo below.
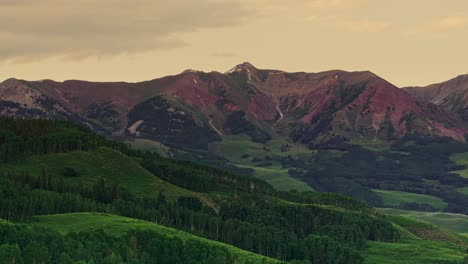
(133, 129)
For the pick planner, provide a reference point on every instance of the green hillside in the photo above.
(457, 223)
(421, 242)
(462, 160)
(278, 178)
(101, 162)
(103, 238)
(150, 145)
(414, 252)
(396, 198)
(69, 195)
(256, 156)
(118, 226)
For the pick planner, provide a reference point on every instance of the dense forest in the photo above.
(243, 211)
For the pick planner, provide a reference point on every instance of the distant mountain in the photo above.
(192, 109)
(452, 94)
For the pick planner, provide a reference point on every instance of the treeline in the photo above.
(23, 196)
(200, 178)
(23, 137)
(333, 199)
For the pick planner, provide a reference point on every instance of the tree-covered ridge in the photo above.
(234, 209)
(200, 178)
(106, 238)
(23, 137)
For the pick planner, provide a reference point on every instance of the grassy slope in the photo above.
(376, 145)
(278, 178)
(421, 243)
(414, 247)
(234, 147)
(454, 222)
(118, 226)
(461, 159)
(150, 145)
(102, 162)
(412, 252)
(409, 250)
(394, 198)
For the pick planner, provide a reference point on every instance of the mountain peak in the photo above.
(247, 66)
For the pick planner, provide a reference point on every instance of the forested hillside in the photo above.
(50, 170)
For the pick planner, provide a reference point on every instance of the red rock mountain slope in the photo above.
(310, 108)
(452, 94)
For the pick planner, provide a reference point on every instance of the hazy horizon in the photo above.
(220, 71)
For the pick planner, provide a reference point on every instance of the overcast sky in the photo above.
(408, 42)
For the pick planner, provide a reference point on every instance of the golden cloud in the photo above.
(82, 28)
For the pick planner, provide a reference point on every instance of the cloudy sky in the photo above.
(408, 42)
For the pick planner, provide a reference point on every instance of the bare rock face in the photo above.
(21, 99)
(311, 108)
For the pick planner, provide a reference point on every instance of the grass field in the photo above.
(376, 145)
(461, 159)
(454, 222)
(463, 173)
(421, 242)
(394, 198)
(150, 145)
(279, 178)
(412, 252)
(102, 162)
(235, 147)
(118, 226)
(241, 150)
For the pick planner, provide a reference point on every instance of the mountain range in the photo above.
(194, 109)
